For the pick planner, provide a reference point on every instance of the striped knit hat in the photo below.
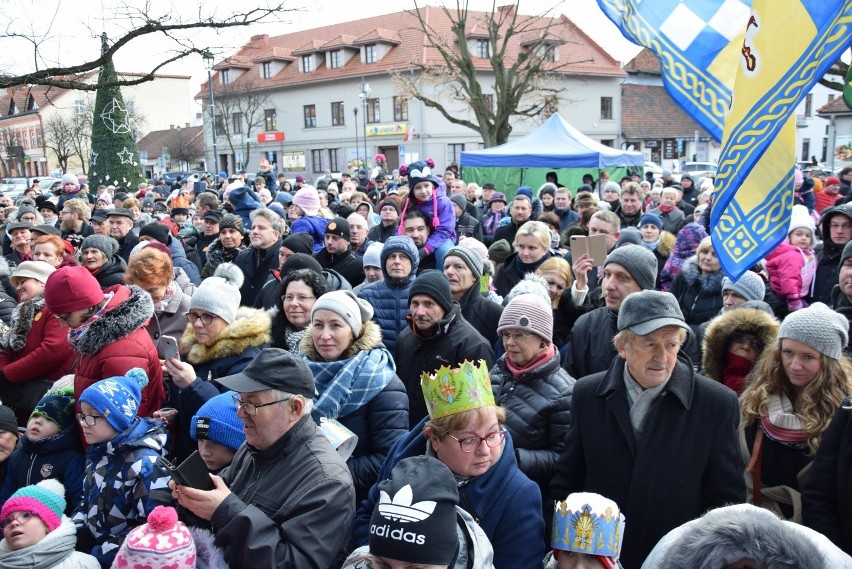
(45, 499)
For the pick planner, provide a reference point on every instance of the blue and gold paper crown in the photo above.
(450, 391)
(588, 523)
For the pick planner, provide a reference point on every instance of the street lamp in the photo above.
(208, 57)
(355, 112)
(365, 93)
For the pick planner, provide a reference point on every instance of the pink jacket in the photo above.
(784, 266)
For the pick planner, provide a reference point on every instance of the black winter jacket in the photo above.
(538, 414)
(481, 313)
(685, 463)
(591, 349)
(699, 295)
(347, 264)
(454, 342)
(827, 495)
(112, 273)
(255, 265)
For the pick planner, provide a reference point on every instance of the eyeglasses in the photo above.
(63, 317)
(194, 317)
(516, 336)
(20, 517)
(251, 408)
(296, 298)
(743, 338)
(89, 420)
(470, 444)
(840, 226)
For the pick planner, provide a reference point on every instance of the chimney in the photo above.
(171, 127)
(186, 125)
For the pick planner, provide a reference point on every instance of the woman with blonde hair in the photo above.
(789, 400)
(557, 272)
(532, 248)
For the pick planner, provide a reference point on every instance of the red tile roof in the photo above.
(154, 141)
(648, 112)
(835, 106)
(578, 56)
(644, 62)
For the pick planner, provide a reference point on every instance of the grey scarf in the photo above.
(640, 400)
(43, 555)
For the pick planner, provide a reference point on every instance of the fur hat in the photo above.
(530, 313)
(117, 398)
(307, 198)
(217, 421)
(70, 289)
(38, 270)
(818, 327)
(103, 243)
(469, 257)
(220, 294)
(57, 406)
(749, 286)
(45, 499)
(434, 285)
(418, 499)
(162, 541)
(354, 311)
(638, 261)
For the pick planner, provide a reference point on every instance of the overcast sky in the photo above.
(75, 25)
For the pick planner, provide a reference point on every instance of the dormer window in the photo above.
(13, 108)
(334, 59)
(307, 63)
(80, 107)
(31, 104)
(370, 55)
(266, 69)
(483, 49)
(225, 76)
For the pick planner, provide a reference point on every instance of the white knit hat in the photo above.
(800, 218)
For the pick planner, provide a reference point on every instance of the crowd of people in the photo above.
(399, 369)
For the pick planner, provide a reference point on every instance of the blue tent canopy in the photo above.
(555, 144)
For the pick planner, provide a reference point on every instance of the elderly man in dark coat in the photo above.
(649, 433)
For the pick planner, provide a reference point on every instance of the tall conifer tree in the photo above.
(115, 159)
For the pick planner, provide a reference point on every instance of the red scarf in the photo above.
(735, 371)
(665, 208)
(545, 355)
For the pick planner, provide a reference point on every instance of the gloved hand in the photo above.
(421, 251)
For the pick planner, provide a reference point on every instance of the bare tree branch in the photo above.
(249, 106)
(141, 24)
(524, 75)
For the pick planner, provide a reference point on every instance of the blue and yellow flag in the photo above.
(740, 69)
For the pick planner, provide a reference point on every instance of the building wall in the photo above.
(812, 132)
(432, 135)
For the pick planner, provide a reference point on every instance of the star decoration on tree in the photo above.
(94, 158)
(108, 116)
(126, 156)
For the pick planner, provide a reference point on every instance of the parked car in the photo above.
(699, 169)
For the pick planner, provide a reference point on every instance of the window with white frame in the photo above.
(335, 59)
(225, 76)
(307, 63)
(483, 49)
(370, 53)
(266, 69)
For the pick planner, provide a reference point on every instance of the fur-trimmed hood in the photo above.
(750, 320)
(370, 338)
(129, 309)
(250, 329)
(692, 273)
(727, 535)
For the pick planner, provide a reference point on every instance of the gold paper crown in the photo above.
(450, 391)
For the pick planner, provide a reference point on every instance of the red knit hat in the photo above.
(70, 289)
(832, 180)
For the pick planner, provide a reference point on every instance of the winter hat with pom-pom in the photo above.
(220, 294)
(163, 541)
(45, 499)
(528, 312)
(530, 284)
(801, 219)
(117, 398)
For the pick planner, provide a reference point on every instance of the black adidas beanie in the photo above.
(415, 518)
(435, 285)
